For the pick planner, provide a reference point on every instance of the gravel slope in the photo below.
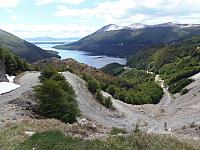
(177, 111)
(27, 81)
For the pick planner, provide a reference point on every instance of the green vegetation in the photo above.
(13, 64)
(177, 87)
(51, 140)
(174, 62)
(184, 91)
(133, 86)
(127, 42)
(116, 131)
(93, 85)
(56, 97)
(113, 69)
(25, 50)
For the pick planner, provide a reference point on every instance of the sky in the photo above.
(78, 18)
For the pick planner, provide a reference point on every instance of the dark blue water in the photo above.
(97, 61)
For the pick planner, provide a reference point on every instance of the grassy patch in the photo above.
(54, 139)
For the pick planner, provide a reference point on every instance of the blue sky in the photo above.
(78, 18)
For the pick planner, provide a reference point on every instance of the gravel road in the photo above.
(176, 110)
(27, 81)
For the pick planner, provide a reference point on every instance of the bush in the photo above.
(184, 91)
(107, 102)
(56, 97)
(99, 96)
(93, 86)
(47, 73)
(177, 87)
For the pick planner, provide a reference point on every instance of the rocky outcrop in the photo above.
(2, 72)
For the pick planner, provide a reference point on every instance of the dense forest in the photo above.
(13, 64)
(175, 62)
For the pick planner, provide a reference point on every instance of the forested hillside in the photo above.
(23, 48)
(11, 63)
(174, 62)
(127, 41)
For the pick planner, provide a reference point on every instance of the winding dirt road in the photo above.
(183, 110)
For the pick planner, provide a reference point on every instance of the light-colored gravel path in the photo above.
(27, 81)
(178, 112)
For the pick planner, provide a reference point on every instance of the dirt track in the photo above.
(178, 112)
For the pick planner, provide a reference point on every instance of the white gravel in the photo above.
(178, 112)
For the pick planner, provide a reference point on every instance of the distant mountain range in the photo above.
(50, 39)
(123, 41)
(26, 50)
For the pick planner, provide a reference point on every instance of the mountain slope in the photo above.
(175, 62)
(22, 48)
(122, 41)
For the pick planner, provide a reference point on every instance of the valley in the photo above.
(155, 93)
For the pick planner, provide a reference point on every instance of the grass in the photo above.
(55, 135)
(56, 140)
(13, 134)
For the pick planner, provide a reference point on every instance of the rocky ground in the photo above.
(174, 114)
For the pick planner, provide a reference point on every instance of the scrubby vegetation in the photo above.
(113, 69)
(51, 140)
(56, 97)
(174, 62)
(177, 87)
(13, 64)
(133, 87)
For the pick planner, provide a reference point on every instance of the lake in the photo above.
(97, 61)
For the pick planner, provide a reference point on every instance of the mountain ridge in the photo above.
(113, 40)
(24, 49)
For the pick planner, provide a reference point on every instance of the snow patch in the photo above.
(6, 87)
(10, 78)
(113, 27)
(136, 26)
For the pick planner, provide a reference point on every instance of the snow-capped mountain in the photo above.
(135, 26)
(111, 27)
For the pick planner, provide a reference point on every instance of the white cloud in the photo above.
(14, 17)
(72, 1)
(45, 2)
(9, 3)
(131, 11)
(68, 30)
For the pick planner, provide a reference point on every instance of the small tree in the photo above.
(99, 96)
(108, 102)
(47, 73)
(93, 86)
(55, 101)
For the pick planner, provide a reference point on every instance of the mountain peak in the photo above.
(111, 27)
(136, 26)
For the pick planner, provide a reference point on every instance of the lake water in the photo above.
(97, 61)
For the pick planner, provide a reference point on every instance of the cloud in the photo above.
(45, 2)
(131, 11)
(68, 30)
(9, 3)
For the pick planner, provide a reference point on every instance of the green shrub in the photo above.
(184, 91)
(177, 87)
(99, 96)
(93, 86)
(107, 102)
(56, 97)
(47, 73)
